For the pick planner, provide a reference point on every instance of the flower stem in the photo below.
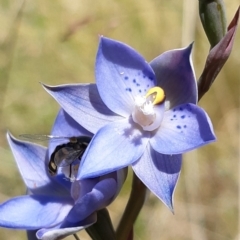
(134, 206)
(103, 228)
(76, 236)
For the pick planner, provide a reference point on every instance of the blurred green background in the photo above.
(55, 42)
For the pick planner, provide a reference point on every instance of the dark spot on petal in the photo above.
(185, 126)
(138, 84)
(189, 107)
(140, 90)
(179, 127)
(126, 78)
(183, 116)
(180, 108)
(151, 78)
(128, 89)
(134, 80)
(174, 116)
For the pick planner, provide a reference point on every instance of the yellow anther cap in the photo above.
(156, 95)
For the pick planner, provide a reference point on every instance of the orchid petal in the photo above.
(86, 185)
(121, 73)
(175, 74)
(159, 173)
(112, 148)
(98, 198)
(81, 188)
(66, 126)
(83, 103)
(30, 160)
(183, 128)
(59, 233)
(33, 212)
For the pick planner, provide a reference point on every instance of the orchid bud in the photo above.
(217, 57)
(213, 18)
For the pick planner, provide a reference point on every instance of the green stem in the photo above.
(103, 228)
(134, 206)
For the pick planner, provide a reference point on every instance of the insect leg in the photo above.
(70, 171)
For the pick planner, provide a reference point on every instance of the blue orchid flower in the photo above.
(144, 115)
(55, 208)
